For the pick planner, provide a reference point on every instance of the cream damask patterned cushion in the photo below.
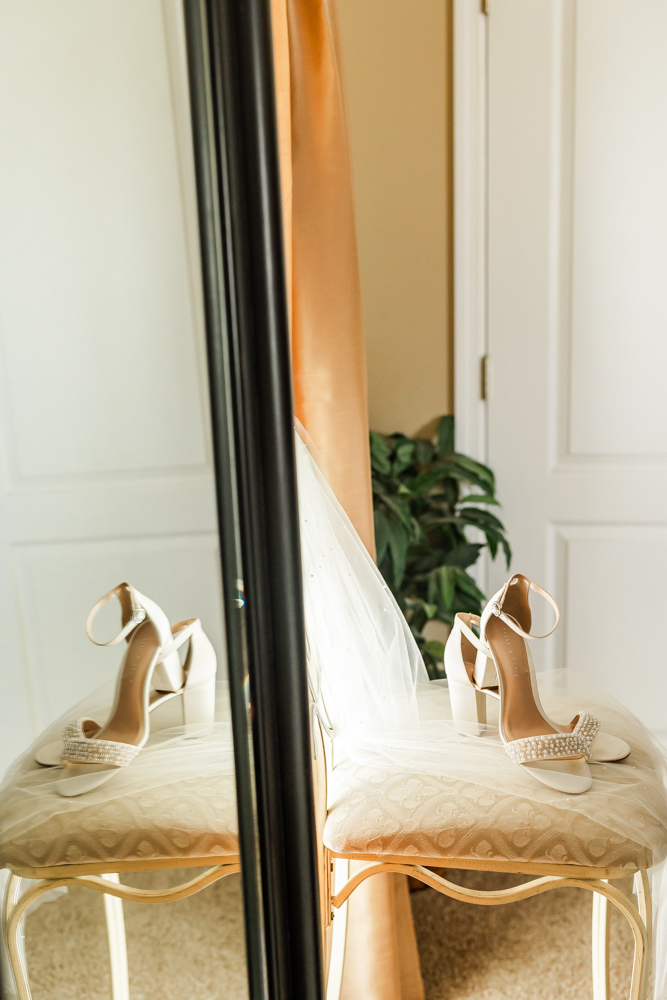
(151, 811)
(176, 799)
(185, 819)
(374, 811)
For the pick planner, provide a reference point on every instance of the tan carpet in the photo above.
(538, 949)
(192, 949)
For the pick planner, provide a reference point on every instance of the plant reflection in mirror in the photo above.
(425, 497)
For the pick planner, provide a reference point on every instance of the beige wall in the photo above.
(397, 73)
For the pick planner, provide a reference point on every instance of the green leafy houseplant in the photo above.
(425, 497)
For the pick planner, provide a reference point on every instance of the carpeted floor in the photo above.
(192, 949)
(538, 949)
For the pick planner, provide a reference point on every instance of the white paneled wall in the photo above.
(618, 403)
(577, 314)
(106, 461)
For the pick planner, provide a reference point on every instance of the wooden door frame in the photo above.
(470, 47)
(470, 243)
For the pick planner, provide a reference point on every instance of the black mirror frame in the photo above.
(232, 91)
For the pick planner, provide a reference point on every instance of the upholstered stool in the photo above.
(133, 823)
(141, 820)
(418, 824)
(382, 819)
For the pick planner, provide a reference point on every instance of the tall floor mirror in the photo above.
(149, 500)
(332, 493)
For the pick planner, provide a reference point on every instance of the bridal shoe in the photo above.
(193, 704)
(554, 754)
(90, 754)
(472, 679)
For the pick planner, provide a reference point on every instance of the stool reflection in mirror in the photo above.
(173, 808)
(184, 824)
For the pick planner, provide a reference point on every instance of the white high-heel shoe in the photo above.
(473, 678)
(503, 668)
(90, 754)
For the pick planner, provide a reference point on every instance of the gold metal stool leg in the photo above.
(16, 905)
(338, 934)
(637, 916)
(600, 949)
(113, 911)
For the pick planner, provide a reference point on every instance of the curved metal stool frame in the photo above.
(15, 906)
(638, 916)
(550, 876)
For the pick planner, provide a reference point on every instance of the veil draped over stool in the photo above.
(373, 695)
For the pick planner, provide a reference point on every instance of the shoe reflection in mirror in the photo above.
(193, 704)
(91, 756)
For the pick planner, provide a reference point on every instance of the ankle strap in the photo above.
(464, 627)
(127, 597)
(497, 608)
(136, 615)
(181, 632)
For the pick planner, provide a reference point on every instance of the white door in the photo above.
(106, 462)
(577, 325)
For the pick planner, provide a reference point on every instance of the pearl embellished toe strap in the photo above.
(80, 746)
(556, 746)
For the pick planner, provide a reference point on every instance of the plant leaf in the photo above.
(492, 540)
(481, 518)
(468, 585)
(480, 498)
(447, 576)
(381, 533)
(398, 546)
(424, 451)
(445, 444)
(432, 588)
(435, 648)
(401, 508)
(405, 450)
(476, 468)
(451, 470)
(380, 454)
(464, 555)
(507, 550)
(424, 483)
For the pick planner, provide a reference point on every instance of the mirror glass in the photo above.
(108, 488)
